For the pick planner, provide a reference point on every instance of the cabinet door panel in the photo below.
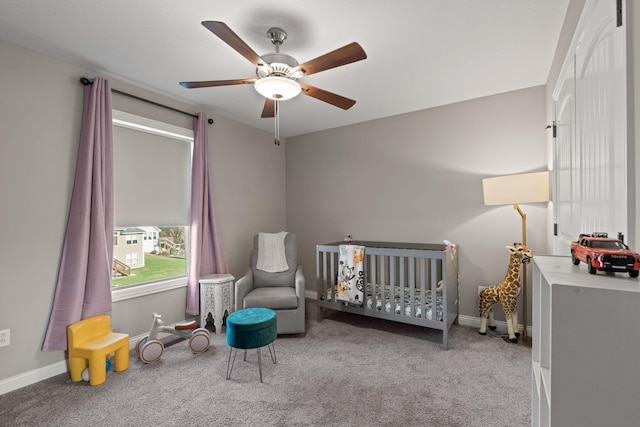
(591, 147)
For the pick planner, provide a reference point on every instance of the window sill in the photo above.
(129, 292)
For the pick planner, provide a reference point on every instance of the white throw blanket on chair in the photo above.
(351, 274)
(271, 254)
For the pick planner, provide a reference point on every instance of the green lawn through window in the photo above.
(155, 267)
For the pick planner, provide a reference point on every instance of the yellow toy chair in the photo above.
(91, 342)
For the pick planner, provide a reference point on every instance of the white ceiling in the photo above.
(421, 53)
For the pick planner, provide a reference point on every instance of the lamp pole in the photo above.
(524, 272)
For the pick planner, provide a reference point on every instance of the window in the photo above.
(152, 165)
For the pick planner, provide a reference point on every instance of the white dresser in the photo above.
(216, 298)
(586, 346)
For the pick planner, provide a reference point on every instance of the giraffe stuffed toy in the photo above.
(505, 293)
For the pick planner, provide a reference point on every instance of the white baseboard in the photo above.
(32, 377)
(474, 322)
(41, 374)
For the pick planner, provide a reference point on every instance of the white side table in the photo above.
(216, 297)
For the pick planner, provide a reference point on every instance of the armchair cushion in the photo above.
(275, 298)
(284, 278)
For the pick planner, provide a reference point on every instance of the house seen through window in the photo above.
(148, 253)
(152, 172)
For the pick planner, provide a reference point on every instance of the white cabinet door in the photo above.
(591, 146)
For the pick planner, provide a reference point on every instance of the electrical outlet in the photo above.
(5, 337)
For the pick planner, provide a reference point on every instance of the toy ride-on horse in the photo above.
(150, 348)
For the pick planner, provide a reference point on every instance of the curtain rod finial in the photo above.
(84, 81)
(210, 121)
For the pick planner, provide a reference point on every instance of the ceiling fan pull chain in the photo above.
(276, 108)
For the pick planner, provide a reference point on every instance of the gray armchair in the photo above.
(282, 292)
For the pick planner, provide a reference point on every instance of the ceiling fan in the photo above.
(278, 73)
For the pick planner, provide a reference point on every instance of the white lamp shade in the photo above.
(277, 88)
(516, 189)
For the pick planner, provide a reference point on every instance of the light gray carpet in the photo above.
(345, 371)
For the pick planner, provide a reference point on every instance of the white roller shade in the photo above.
(152, 162)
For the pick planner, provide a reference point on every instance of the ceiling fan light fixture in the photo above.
(277, 88)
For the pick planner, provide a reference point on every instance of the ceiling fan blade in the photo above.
(210, 83)
(328, 97)
(269, 109)
(345, 55)
(227, 35)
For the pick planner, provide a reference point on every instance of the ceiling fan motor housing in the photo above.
(278, 64)
(276, 76)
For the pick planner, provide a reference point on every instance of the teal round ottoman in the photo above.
(251, 328)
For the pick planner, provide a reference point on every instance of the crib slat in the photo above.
(434, 279)
(319, 273)
(392, 283)
(383, 261)
(322, 286)
(423, 287)
(401, 284)
(434, 289)
(324, 274)
(332, 277)
(374, 281)
(412, 290)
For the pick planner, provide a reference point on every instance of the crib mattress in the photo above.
(395, 306)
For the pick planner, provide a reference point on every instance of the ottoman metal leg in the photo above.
(259, 364)
(273, 357)
(229, 362)
(273, 354)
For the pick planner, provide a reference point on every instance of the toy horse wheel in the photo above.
(139, 344)
(199, 341)
(201, 330)
(151, 351)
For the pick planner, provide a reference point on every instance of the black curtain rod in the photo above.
(85, 81)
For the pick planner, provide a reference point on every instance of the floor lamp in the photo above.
(515, 190)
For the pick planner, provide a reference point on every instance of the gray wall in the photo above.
(40, 118)
(417, 177)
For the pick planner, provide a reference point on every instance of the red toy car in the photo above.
(602, 253)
